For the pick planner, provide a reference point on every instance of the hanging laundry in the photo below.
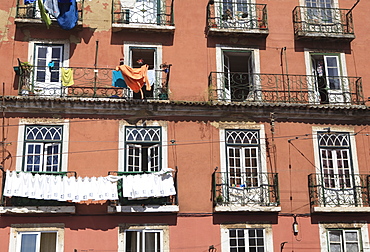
(65, 1)
(128, 4)
(135, 78)
(151, 77)
(67, 77)
(44, 15)
(52, 7)
(117, 79)
(68, 16)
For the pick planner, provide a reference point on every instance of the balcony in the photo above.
(149, 204)
(339, 192)
(332, 23)
(88, 82)
(229, 17)
(24, 205)
(30, 13)
(150, 15)
(245, 192)
(284, 88)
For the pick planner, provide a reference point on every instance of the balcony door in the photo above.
(337, 177)
(245, 180)
(327, 79)
(238, 75)
(322, 16)
(237, 14)
(48, 61)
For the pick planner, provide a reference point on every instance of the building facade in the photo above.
(250, 133)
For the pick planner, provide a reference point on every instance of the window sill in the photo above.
(341, 209)
(38, 210)
(251, 208)
(143, 209)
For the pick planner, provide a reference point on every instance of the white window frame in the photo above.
(17, 229)
(65, 141)
(361, 227)
(220, 49)
(317, 155)
(268, 239)
(163, 229)
(64, 63)
(121, 144)
(245, 126)
(314, 96)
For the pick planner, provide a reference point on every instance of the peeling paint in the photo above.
(5, 23)
(235, 125)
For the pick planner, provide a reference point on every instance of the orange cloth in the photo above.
(135, 78)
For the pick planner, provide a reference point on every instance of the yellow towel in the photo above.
(67, 77)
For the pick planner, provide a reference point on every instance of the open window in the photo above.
(143, 149)
(238, 68)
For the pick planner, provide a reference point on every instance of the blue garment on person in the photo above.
(68, 15)
(117, 79)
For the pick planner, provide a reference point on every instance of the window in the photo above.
(48, 58)
(343, 240)
(37, 241)
(237, 14)
(344, 237)
(43, 145)
(243, 157)
(244, 180)
(143, 12)
(246, 237)
(138, 54)
(320, 10)
(37, 238)
(140, 238)
(335, 159)
(48, 61)
(143, 149)
(328, 79)
(143, 240)
(238, 74)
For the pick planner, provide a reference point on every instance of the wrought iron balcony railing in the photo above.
(148, 12)
(162, 201)
(323, 22)
(233, 16)
(245, 189)
(88, 82)
(29, 12)
(339, 190)
(24, 202)
(285, 88)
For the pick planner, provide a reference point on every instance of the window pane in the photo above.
(334, 235)
(28, 243)
(131, 241)
(351, 236)
(352, 247)
(48, 242)
(335, 248)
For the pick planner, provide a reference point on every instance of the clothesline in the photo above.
(64, 188)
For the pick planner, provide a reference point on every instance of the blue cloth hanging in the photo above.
(29, 1)
(65, 1)
(68, 16)
(117, 79)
